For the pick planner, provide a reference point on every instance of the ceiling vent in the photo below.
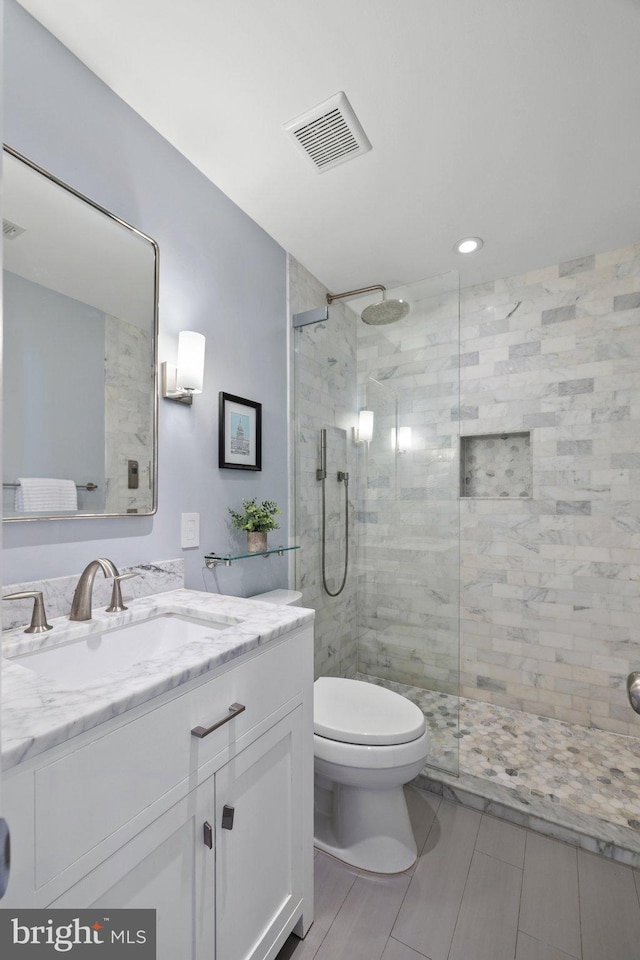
(329, 134)
(11, 230)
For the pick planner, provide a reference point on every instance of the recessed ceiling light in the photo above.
(468, 245)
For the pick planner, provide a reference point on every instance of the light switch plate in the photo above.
(190, 527)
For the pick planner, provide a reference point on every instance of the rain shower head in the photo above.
(384, 311)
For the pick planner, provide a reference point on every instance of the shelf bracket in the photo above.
(213, 561)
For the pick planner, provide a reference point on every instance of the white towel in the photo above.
(45, 495)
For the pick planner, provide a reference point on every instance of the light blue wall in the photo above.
(220, 274)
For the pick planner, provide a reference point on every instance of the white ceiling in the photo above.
(513, 120)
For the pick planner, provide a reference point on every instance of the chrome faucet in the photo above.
(81, 605)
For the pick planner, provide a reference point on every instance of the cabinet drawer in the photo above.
(84, 797)
(261, 685)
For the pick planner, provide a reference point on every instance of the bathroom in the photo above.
(539, 592)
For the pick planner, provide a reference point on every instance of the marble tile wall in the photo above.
(551, 585)
(325, 396)
(151, 578)
(128, 421)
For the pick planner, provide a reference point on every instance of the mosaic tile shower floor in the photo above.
(572, 782)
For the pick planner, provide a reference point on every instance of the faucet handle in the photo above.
(116, 605)
(38, 618)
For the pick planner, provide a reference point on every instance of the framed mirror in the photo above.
(80, 307)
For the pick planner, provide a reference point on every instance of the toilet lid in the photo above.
(354, 711)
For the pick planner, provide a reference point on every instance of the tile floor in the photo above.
(482, 889)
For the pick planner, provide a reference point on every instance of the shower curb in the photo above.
(545, 816)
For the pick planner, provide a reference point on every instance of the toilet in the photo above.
(368, 743)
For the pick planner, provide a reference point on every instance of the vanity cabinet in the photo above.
(166, 867)
(216, 833)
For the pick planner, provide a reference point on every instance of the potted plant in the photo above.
(256, 519)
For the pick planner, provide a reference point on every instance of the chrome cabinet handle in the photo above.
(234, 710)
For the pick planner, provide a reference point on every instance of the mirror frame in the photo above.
(156, 280)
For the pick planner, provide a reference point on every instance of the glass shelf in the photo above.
(212, 559)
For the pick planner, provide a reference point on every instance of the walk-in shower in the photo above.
(380, 555)
(523, 544)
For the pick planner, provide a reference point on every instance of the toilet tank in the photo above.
(289, 597)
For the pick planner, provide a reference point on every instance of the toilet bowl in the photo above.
(368, 743)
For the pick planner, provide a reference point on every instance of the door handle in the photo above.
(5, 856)
(208, 834)
(228, 813)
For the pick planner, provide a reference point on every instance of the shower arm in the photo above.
(354, 293)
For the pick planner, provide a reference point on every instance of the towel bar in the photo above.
(80, 486)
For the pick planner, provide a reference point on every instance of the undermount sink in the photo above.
(91, 659)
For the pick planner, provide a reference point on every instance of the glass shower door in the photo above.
(408, 509)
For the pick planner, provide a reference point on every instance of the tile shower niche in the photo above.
(496, 466)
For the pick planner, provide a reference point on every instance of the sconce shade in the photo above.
(365, 426)
(190, 373)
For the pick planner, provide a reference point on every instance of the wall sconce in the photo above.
(401, 439)
(364, 430)
(181, 381)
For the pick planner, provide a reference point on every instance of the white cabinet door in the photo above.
(167, 867)
(259, 861)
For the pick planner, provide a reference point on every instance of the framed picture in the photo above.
(239, 433)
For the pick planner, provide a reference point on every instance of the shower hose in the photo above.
(343, 478)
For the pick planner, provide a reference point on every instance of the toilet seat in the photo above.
(357, 712)
(361, 756)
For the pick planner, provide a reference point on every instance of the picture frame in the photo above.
(239, 433)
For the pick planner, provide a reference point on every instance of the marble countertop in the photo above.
(38, 713)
